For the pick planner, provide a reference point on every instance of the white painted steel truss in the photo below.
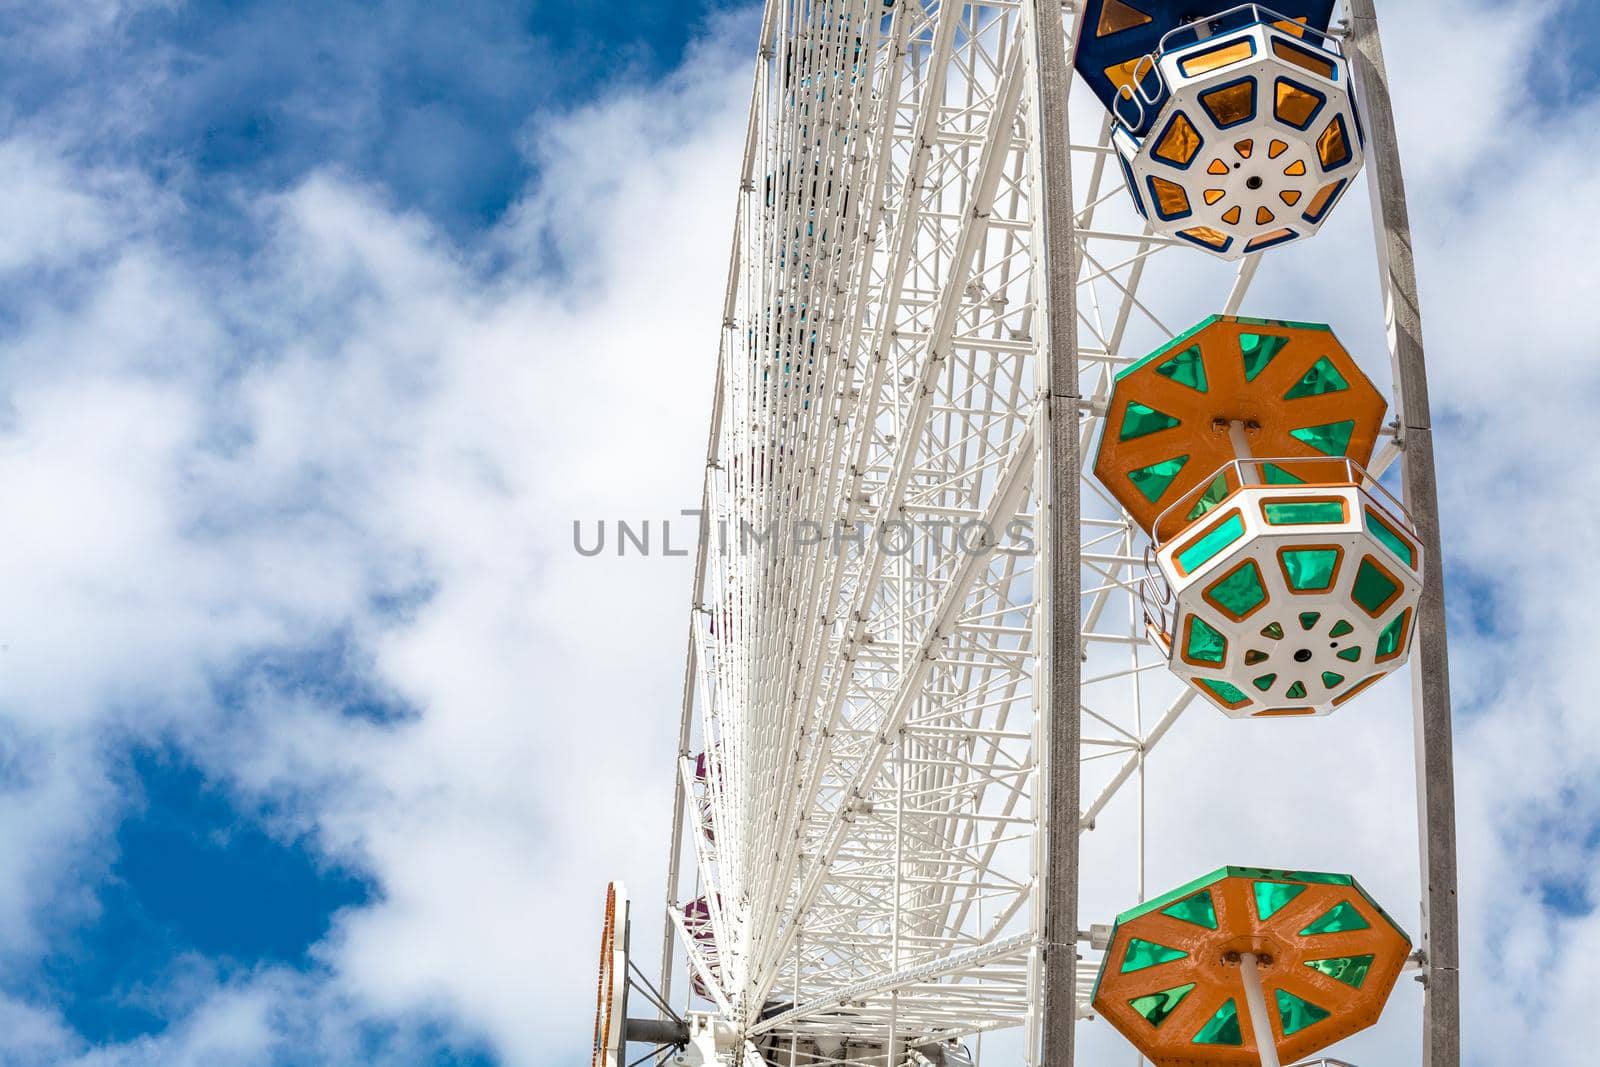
(867, 832)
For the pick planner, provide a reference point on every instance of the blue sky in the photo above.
(176, 880)
(432, 103)
(319, 323)
(194, 880)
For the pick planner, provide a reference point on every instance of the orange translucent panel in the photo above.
(1277, 148)
(1263, 216)
(1121, 74)
(1299, 57)
(1290, 196)
(1170, 197)
(1295, 169)
(1231, 104)
(1209, 236)
(1295, 26)
(1217, 167)
(1319, 203)
(1213, 195)
(1244, 147)
(1331, 146)
(1269, 238)
(1117, 16)
(1217, 58)
(1180, 142)
(1295, 105)
(1231, 216)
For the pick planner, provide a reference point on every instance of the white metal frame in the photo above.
(875, 848)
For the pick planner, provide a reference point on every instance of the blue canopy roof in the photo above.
(1116, 32)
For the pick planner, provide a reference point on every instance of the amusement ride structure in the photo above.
(987, 513)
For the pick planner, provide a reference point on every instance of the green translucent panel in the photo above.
(1297, 691)
(1186, 368)
(1330, 438)
(1142, 954)
(1373, 588)
(1241, 592)
(1272, 630)
(1188, 889)
(1319, 512)
(1226, 533)
(1331, 680)
(1341, 628)
(1276, 475)
(1291, 323)
(1205, 644)
(1157, 1006)
(1323, 377)
(1350, 655)
(1214, 495)
(1259, 349)
(1264, 682)
(1338, 920)
(1351, 970)
(1271, 896)
(1168, 347)
(1228, 694)
(1252, 657)
(1153, 480)
(1252, 873)
(1322, 878)
(1310, 568)
(1393, 634)
(1223, 1029)
(1297, 1014)
(1140, 420)
(1197, 909)
(1308, 619)
(1393, 543)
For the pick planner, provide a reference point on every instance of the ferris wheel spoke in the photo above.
(867, 813)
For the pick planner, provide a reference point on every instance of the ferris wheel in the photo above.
(989, 512)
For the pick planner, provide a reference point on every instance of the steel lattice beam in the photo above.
(930, 291)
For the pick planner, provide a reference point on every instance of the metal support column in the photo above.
(1430, 671)
(1059, 495)
(679, 802)
(691, 663)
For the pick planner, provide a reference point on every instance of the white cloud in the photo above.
(207, 459)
